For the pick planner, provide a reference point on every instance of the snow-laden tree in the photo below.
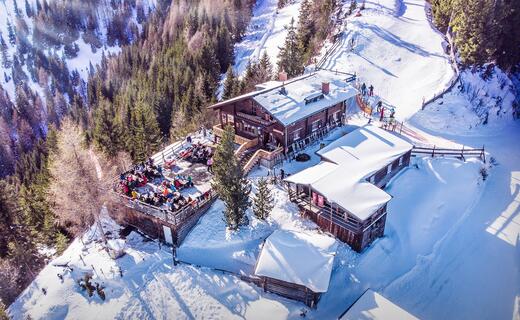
(230, 182)
(263, 201)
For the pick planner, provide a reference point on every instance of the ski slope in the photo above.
(397, 51)
(451, 245)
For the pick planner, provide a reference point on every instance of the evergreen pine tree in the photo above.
(224, 47)
(11, 33)
(230, 85)
(146, 133)
(265, 68)
(230, 182)
(290, 57)
(6, 61)
(16, 10)
(107, 130)
(263, 201)
(61, 242)
(28, 9)
(306, 26)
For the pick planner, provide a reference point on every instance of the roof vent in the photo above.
(313, 97)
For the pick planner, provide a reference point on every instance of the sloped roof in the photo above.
(298, 257)
(352, 158)
(373, 306)
(289, 105)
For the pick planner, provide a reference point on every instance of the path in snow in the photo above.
(397, 51)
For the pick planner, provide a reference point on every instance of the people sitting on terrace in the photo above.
(197, 153)
(166, 193)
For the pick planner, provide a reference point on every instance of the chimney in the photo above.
(325, 87)
(282, 76)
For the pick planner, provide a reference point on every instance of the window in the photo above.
(389, 169)
(230, 118)
(372, 179)
(297, 134)
(401, 161)
(249, 128)
(316, 125)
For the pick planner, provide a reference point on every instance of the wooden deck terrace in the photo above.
(152, 220)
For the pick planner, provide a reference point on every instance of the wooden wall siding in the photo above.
(249, 106)
(381, 177)
(290, 290)
(153, 226)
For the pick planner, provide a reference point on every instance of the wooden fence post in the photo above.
(433, 151)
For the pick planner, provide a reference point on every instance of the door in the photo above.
(167, 235)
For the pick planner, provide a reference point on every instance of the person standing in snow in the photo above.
(371, 90)
(282, 174)
(379, 105)
(363, 88)
(382, 113)
(209, 163)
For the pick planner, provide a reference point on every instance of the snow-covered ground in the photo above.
(451, 245)
(396, 50)
(266, 32)
(419, 219)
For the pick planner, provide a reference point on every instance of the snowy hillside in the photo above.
(266, 32)
(451, 244)
(87, 53)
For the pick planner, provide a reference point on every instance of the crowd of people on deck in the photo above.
(134, 184)
(197, 153)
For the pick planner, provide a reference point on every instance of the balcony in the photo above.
(255, 118)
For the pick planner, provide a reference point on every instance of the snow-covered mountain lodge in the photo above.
(344, 193)
(284, 112)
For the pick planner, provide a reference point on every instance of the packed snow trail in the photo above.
(397, 51)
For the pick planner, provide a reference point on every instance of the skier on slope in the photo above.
(371, 90)
(363, 88)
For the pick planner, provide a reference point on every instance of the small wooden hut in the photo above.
(296, 265)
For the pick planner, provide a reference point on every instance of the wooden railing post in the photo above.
(433, 151)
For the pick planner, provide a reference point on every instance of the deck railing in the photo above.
(261, 154)
(335, 216)
(219, 131)
(462, 153)
(176, 218)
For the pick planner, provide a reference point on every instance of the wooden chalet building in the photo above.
(296, 265)
(281, 113)
(344, 193)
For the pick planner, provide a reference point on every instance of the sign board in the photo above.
(167, 235)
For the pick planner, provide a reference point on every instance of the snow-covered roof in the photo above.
(368, 143)
(372, 305)
(289, 105)
(351, 159)
(297, 257)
